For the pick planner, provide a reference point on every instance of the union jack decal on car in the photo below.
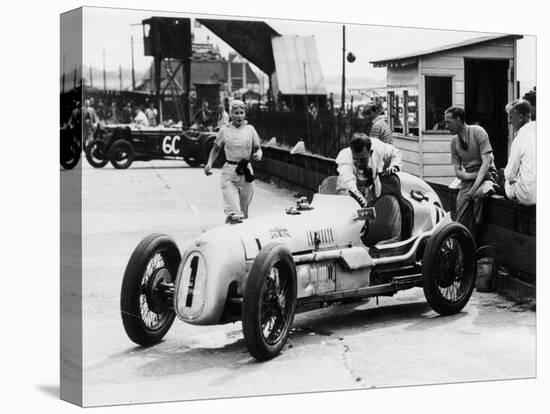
(279, 232)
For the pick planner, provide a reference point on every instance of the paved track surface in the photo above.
(399, 341)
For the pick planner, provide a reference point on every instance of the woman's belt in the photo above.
(242, 168)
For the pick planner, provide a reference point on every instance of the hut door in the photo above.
(486, 95)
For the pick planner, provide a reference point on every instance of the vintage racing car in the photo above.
(262, 270)
(125, 143)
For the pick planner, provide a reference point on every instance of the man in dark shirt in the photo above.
(203, 117)
(127, 114)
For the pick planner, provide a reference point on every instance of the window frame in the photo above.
(393, 99)
(425, 76)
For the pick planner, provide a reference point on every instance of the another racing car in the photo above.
(262, 270)
(125, 143)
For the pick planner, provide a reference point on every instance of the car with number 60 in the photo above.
(262, 270)
(125, 143)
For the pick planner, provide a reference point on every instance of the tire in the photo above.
(147, 313)
(69, 150)
(70, 160)
(448, 269)
(95, 153)
(263, 301)
(121, 154)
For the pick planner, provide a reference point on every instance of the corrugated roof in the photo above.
(411, 57)
(297, 65)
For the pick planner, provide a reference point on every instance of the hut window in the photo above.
(402, 111)
(439, 96)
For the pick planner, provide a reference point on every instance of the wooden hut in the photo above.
(478, 74)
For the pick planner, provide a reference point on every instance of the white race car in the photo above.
(262, 270)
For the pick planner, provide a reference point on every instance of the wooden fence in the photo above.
(323, 135)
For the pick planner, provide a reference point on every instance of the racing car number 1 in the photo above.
(169, 145)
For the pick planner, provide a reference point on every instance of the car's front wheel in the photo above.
(448, 268)
(146, 297)
(269, 302)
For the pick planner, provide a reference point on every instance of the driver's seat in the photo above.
(386, 227)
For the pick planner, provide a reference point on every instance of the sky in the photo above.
(112, 29)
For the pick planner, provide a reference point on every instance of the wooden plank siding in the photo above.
(410, 156)
(411, 168)
(485, 53)
(437, 146)
(430, 155)
(431, 158)
(407, 75)
(442, 61)
(440, 170)
(405, 144)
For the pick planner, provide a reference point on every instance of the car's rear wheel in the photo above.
(146, 301)
(121, 154)
(95, 153)
(448, 269)
(269, 302)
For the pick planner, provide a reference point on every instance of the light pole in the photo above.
(350, 58)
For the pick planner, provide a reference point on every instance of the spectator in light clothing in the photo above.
(379, 129)
(90, 121)
(519, 177)
(140, 119)
(241, 144)
(151, 114)
(223, 116)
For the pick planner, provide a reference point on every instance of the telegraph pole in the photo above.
(343, 67)
(133, 73)
(63, 76)
(104, 74)
(119, 77)
(91, 79)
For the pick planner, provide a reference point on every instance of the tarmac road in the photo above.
(399, 341)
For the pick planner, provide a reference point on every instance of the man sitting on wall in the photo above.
(359, 168)
(518, 180)
(472, 158)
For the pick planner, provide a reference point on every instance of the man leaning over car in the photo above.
(359, 169)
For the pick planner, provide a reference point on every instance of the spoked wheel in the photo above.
(269, 302)
(121, 154)
(146, 298)
(95, 154)
(448, 268)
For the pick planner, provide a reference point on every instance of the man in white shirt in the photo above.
(360, 165)
(520, 183)
(141, 118)
(359, 168)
